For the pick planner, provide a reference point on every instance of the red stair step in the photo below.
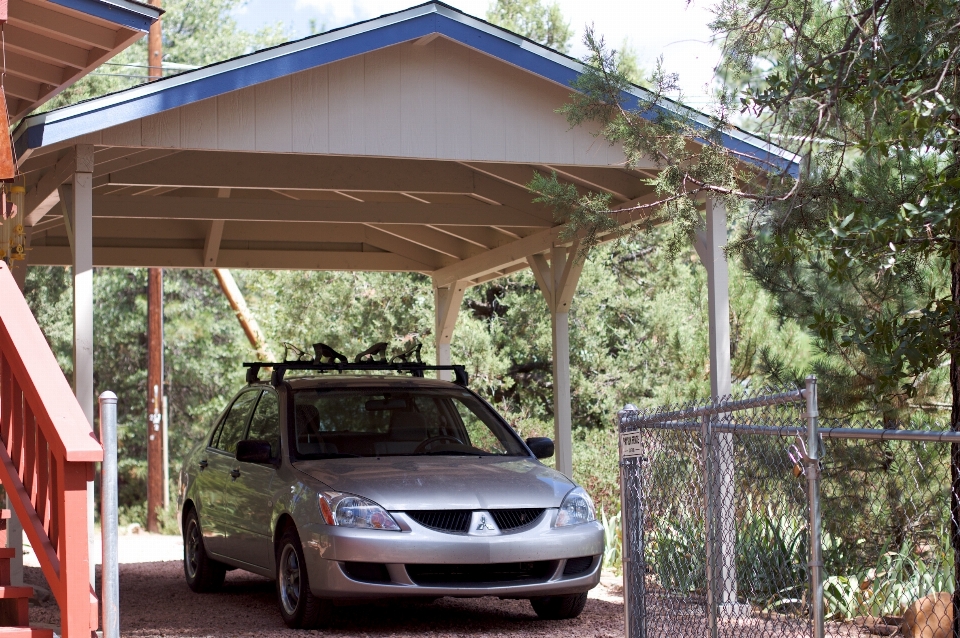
(7, 553)
(4, 514)
(9, 591)
(25, 632)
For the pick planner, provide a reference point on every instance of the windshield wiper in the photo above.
(450, 452)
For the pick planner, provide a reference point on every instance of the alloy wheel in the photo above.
(192, 548)
(289, 580)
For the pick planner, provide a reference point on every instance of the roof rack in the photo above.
(373, 359)
(415, 369)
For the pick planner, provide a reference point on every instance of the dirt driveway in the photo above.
(155, 602)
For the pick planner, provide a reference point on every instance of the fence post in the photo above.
(110, 574)
(709, 491)
(813, 493)
(632, 550)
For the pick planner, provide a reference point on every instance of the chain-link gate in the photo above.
(721, 515)
(699, 490)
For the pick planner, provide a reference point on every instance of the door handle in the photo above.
(203, 465)
(235, 473)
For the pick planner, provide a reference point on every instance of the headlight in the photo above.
(577, 507)
(347, 510)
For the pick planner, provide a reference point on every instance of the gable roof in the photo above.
(423, 21)
(53, 43)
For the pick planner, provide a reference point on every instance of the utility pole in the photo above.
(155, 438)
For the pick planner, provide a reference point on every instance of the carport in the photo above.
(403, 143)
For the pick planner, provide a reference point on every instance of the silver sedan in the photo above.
(344, 488)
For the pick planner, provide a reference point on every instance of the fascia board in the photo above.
(133, 15)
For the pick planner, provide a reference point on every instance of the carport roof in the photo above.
(50, 44)
(425, 21)
(404, 143)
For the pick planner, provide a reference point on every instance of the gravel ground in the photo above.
(155, 602)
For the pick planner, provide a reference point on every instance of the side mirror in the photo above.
(254, 452)
(541, 446)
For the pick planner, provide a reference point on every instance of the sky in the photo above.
(670, 28)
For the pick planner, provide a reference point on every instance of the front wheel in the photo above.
(203, 574)
(298, 606)
(559, 607)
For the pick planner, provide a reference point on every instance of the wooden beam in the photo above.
(138, 257)
(496, 258)
(123, 158)
(22, 88)
(33, 69)
(429, 259)
(297, 172)
(434, 239)
(43, 196)
(211, 245)
(60, 26)
(273, 210)
(622, 186)
(44, 48)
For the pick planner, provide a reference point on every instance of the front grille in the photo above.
(367, 572)
(455, 521)
(479, 575)
(577, 565)
(458, 521)
(511, 520)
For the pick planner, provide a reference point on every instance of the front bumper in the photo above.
(331, 551)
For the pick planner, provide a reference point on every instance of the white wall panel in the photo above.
(198, 124)
(274, 127)
(346, 106)
(381, 104)
(236, 120)
(418, 100)
(310, 111)
(441, 100)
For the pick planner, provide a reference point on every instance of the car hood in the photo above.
(443, 482)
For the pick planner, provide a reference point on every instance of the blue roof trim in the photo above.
(129, 15)
(424, 20)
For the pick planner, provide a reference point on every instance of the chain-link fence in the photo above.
(752, 518)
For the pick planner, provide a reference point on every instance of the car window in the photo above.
(234, 424)
(373, 422)
(265, 424)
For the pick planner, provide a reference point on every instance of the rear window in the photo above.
(371, 422)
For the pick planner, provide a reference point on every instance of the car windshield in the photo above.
(372, 422)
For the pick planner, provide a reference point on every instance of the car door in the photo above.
(251, 536)
(215, 481)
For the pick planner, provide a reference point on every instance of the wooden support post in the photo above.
(710, 246)
(447, 301)
(14, 535)
(558, 281)
(80, 220)
(154, 397)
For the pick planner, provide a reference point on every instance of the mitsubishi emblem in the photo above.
(484, 526)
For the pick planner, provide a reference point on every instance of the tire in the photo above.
(203, 574)
(298, 606)
(559, 607)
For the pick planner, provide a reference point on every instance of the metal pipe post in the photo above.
(626, 551)
(813, 493)
(709, 525)
(110, 573)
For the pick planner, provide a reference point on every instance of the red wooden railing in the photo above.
(46, 459)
